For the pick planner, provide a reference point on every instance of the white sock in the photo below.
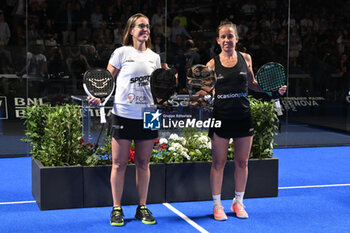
(238, 197)
(217, 199)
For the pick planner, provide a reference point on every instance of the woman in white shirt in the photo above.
(132, 64)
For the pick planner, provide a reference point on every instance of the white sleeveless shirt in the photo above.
(133, 92)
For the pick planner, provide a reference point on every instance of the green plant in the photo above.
(103, 154)
(265, 126)
(55, 135)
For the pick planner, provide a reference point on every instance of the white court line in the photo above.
(16, 202)
(314, 186)
(184, 217)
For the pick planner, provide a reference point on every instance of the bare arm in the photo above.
(211, 64)
(252, 83)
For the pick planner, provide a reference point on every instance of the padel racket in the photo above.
(271, 76)
(99, 83)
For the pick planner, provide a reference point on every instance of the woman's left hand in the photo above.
(282, 90)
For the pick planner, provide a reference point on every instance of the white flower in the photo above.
(208, 145)
(171, 148)
(203, 139)
(182, 140)
(174, 136)
(163, 141)
(231, 141)
(177, 146)
(184, 154)
(198, 152)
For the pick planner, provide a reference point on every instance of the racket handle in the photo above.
(102, 115)
(278, 107)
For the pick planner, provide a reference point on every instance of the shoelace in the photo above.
(217, 207)
(145, 211)
(117, 213)
(240, 207)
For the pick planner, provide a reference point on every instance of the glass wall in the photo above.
(47, 45)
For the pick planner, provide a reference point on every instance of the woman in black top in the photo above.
(231, 106)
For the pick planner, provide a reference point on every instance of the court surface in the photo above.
(314, 196)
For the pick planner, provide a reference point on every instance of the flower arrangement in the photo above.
(191, 145)
(55, 136)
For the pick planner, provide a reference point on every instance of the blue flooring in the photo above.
(312, 209)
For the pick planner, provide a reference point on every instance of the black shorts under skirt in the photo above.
(233, 128)
(125, 128)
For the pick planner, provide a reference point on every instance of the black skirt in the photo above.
(125, 128)
(233, 128)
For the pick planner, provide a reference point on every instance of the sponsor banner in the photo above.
(3, 108)
(295, 103)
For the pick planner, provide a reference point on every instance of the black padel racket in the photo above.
(99, 83)
(271, 76)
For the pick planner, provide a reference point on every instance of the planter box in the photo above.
(97, 188)
(57, 187)
(77, 187)
(262, 178)
(191, 181)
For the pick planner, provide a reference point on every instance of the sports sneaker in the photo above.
(219, 213)
(238, 209)
(145, 215)
(117, 217)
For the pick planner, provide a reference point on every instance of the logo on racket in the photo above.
(152, 119)
(98, 83)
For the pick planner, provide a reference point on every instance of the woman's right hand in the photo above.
(94, 102)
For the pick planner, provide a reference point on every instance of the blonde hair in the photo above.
(127, 38)
(226, 23)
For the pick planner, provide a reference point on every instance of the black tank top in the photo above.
(231, 90)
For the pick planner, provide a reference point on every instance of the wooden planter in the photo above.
(77, 187)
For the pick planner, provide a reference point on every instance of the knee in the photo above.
(119, 166)
(218, 164)
(241, 163)
(142, 164)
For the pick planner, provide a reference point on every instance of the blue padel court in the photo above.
(314, 196)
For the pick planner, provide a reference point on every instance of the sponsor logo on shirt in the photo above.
(141, 81)
(131, 97)
(137, 99)
(129, 60)
(220, 76)
(232, 95)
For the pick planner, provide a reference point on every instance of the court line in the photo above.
(184, 217)
(16, 202)
(314, 186)
(188, 219)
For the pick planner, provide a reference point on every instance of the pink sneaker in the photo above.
(219, 213)
(238, 209)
